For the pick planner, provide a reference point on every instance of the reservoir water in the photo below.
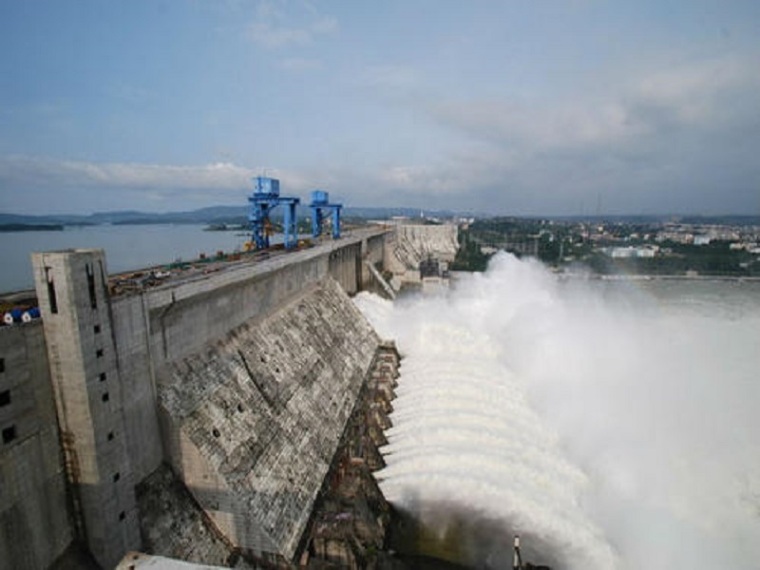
(127, 247)
(612, 424)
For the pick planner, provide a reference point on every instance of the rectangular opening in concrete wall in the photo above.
(116, 477)
(2, 364)
(51, 291)
(91, 286)
(102, 377)
(110, 436)
(99, 353)
(96, 329)
(105, 397)
(5, 398)
(122, 515)
(103, 279)
(9, 434)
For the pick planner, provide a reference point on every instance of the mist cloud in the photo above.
(614, 424)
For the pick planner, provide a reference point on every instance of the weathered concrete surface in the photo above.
(186, 315)
(253, 419)
(140, 561)
(132, 338)
(173, 524)
(410, 244)
(34, 519)
(350, 520)
(110, 357)
(165, 323)
(73, 296)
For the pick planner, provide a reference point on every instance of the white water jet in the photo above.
(617, 428)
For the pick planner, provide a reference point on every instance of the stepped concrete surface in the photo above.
(255, 418)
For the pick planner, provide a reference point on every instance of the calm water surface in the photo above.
(127, 247)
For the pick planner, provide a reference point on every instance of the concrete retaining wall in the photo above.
(34, 519)
(410, 244)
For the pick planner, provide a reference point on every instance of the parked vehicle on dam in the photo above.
(21, 315)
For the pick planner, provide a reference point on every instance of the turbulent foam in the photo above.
(617, 429)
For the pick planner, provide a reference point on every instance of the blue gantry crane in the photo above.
(266, 197)
(320, 201)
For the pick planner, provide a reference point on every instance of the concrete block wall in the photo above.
(34, 518)
(253, 419)
(345, 267)
(132, 335)
(373, 252)
(72, 292)
(172, 524)
(375, 248)
(411, 243)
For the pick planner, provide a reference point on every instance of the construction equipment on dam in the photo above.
(265, 198)
(320, 200)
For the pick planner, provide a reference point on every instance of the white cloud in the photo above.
(707, 94)
(298, 64)
(678, 139)
(428, 180)
(700, 93)
(42, 172)
(389, 77)
(324, 25)
(273, 28)
(269, 36)
(701, 78)
(26, 181)
(558, 125)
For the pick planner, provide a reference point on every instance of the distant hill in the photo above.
(726, 220)
(239, 215)
(722, 220)
(215, 214)
(30, 227)
(210, 215)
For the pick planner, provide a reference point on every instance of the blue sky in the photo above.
(511, 107)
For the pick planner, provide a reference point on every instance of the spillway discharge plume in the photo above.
(613, 427)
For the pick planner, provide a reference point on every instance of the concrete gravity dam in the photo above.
(226, 417)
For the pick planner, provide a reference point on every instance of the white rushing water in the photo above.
(615, 426)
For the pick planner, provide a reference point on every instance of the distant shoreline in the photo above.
(31, 227)
(642, 277)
